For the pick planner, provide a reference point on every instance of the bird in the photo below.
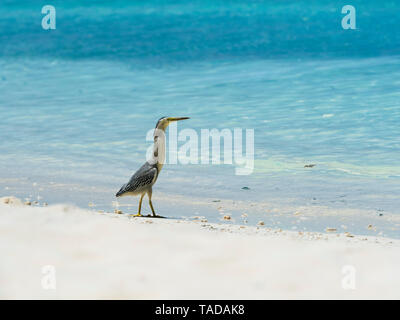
(145, 177)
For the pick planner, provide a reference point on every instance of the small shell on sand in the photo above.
(12, 201)
(118, 211)
(227, 217)
(349, 235)
(330, 229)
(370, 226)
(28, 203)
(244, 215)
(261, 223)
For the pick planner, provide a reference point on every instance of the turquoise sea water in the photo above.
(76, 104)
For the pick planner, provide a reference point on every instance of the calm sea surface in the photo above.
(76, 104)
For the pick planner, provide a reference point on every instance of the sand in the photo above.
(62, 252)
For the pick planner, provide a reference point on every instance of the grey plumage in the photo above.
(142, 180)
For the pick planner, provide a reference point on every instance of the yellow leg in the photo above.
(149, 193)
(140, 207)
(152, 209)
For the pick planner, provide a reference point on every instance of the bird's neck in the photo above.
(159, 149)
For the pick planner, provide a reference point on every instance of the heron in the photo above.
(146, 176)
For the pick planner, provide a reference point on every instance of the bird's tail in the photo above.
(121, 191)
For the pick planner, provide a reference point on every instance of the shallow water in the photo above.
(76, 104)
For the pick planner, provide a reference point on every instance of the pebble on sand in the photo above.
(261, 223)
(118, 211)
(330, 229)
(227, 217)
(12, 201)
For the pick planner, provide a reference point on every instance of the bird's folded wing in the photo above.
(143, 177)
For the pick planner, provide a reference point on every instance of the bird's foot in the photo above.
(136, 215)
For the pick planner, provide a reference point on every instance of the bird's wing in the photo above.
(143, 177)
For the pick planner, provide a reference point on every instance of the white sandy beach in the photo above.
(110, 256)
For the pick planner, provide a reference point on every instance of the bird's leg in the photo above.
(149, 193)
(140, 207)
(152, 209)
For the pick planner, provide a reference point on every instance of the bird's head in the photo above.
(164, 122)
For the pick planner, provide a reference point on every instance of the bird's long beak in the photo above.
(177, 118)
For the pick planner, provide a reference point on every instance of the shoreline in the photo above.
(111, 256)
(242, 208)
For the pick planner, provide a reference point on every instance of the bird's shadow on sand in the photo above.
(150, 216)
